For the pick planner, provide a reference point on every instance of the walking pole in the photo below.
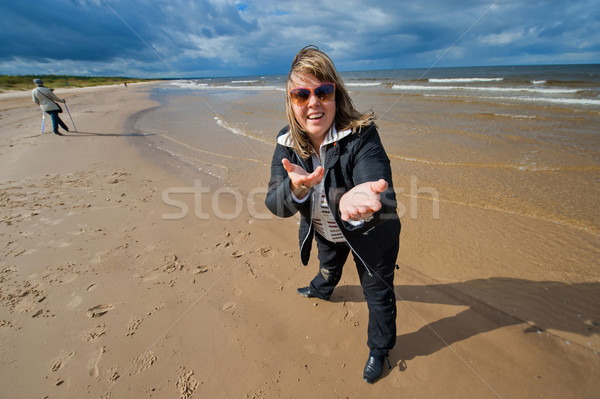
(43, 121)
(70, 116)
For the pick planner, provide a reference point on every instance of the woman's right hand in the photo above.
(362, 201)
(301, 180)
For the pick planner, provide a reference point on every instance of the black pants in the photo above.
(57, 121)
(378, 289)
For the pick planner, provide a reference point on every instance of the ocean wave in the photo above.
(508, 115)
(569, 101)
(240, 132)
(260, 88)
(193, 85)
(486, 88)
(464, 80)
(185, 84)
(251, 88)
(363, 84)
(565, 101)
(244, 81)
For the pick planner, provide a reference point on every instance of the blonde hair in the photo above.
(311, 61)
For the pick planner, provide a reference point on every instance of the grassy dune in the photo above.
(25, 82)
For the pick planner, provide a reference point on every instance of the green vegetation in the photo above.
(25, 82)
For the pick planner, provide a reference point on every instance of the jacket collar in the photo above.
(332, 136)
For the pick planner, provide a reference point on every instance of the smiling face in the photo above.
(315, 117)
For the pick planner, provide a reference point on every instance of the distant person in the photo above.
(45, 98)
(329, 165)
(125, 83)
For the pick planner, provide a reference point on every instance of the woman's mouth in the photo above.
(315, 116)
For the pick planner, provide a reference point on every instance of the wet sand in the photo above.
(123, 277)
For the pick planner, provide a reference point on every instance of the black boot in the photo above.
(374, 367)
(308, 293)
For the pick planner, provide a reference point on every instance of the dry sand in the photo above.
(101, 296)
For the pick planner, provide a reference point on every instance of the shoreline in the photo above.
(102, 296)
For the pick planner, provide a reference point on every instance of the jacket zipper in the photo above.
(311, 208)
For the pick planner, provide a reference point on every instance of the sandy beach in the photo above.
(126, 275)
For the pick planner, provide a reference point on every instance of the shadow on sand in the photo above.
(84, 134)
(72, 133)
(492, 303)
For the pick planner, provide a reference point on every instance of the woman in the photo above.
(46, 99)
(329, 165)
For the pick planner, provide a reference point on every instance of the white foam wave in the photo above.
(244, 81)
(363, 84)
(516, 116)
(232, 129)
(205, 86)
(570, 101)
(464, 80)
(538, 82)
(566, 101)
(194, 85)
(256, 88)
(479, 88)
(186, 84)
(238, 131)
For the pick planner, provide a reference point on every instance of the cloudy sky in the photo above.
(202, 38)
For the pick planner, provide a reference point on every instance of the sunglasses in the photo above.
(324, 93)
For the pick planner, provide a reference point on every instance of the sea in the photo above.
(575, 85)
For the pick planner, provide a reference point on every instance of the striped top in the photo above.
(322, 218)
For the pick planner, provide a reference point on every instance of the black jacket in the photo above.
(354, 159)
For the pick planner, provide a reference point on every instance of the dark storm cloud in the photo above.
(171, 38)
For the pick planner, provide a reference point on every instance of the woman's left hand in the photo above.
(300, 180)
(362, 201)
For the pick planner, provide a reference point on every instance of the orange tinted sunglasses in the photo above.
(324, 93)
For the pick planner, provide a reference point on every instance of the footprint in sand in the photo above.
(133, 325)
(236, 291)
(238, 253)
(94, 371)
(99, 310)
(266, 252)
(95, 333)
(186, 384)
(143, 361)
(60, 361)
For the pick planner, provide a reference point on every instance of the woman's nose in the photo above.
(312, 100)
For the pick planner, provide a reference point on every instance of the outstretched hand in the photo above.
(301, 180)
(362, 201)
